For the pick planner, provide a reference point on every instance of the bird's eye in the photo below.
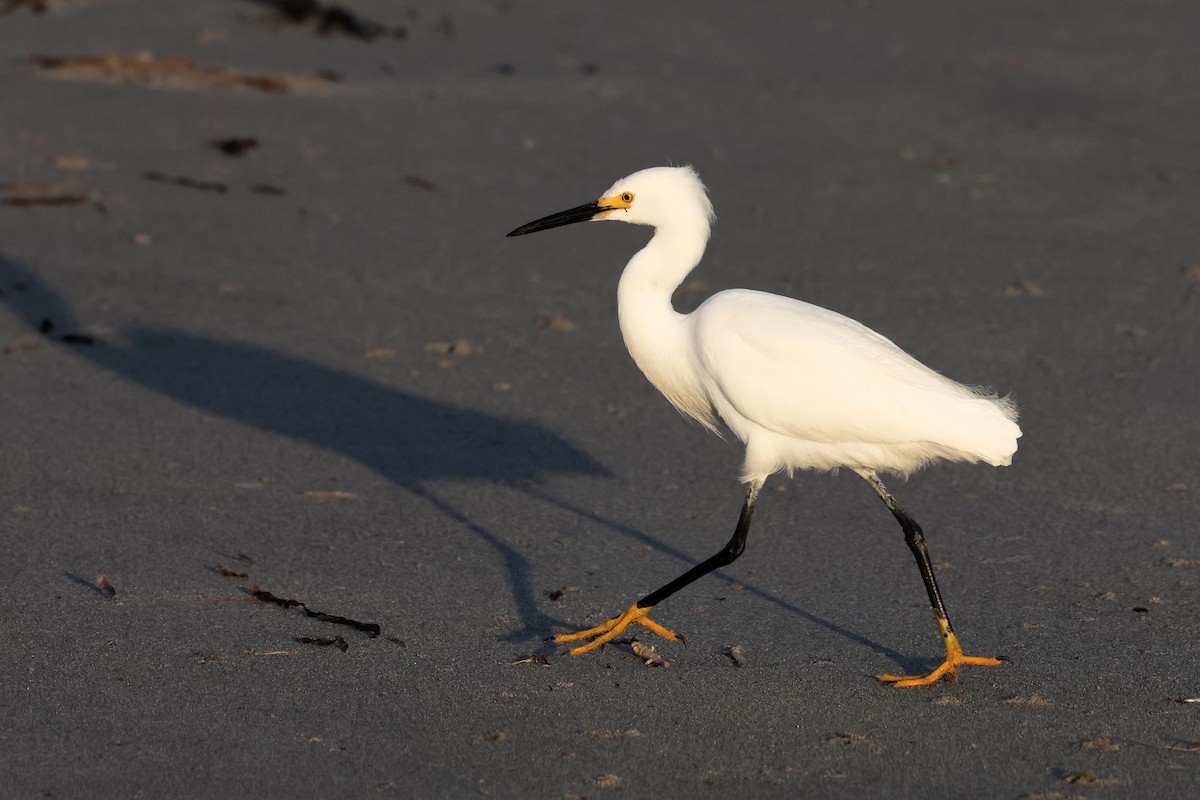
(627, 197)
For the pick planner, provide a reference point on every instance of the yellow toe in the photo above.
(948, 669)
(606, 632)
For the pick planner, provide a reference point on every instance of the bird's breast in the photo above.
(669, 369)
(659, 341)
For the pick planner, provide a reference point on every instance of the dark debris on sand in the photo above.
(330, 19)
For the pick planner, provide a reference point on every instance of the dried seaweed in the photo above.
(331, 18)
(341, 643)
(190, 183)
(143, 69)
(537, 658)
(236, 145)
(46, 200)
(371, 629)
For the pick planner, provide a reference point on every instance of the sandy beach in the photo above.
(303, 461)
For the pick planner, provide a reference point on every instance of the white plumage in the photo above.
(801, 386)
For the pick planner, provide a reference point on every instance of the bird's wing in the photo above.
(806, 372)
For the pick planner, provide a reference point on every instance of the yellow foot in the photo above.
(948, 669)
(612, 628)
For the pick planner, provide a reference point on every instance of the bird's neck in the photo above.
(655, 334)
(651, 277)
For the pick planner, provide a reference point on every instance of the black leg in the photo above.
(915, 540)
(639, 611)
(916, 543)
(724, 558)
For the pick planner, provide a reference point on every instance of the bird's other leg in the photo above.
(639, 611)
(915, 540)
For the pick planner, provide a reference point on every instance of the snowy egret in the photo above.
(801, 386)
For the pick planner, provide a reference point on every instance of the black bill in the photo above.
(581, 213)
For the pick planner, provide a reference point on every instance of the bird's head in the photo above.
(659, 196)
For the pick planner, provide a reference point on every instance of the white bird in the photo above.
(801, 386)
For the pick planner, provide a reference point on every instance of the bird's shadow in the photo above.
(411, 440)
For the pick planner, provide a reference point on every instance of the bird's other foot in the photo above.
(947, 670)
(604, 633)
